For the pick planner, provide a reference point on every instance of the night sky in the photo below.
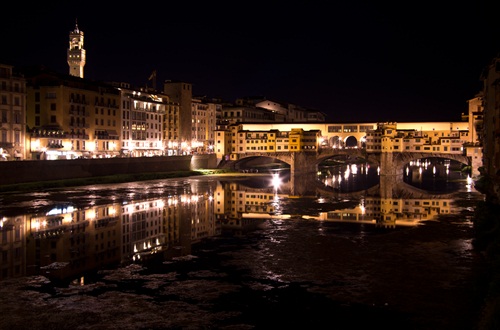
(355, 61)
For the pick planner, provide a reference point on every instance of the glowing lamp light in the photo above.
(276, 181)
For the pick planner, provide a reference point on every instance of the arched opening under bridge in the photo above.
(260, 164)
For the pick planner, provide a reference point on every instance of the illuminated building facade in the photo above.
(204, 114)
(142, 120)
(13, 114)
(239, 141)
(491, 128)
(69, 117)
(443, 138)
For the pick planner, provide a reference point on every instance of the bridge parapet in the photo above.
(325, 153)
(283, 156)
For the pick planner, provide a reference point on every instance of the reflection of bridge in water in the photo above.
(398, 204)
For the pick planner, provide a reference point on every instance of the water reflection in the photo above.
(435, 174)
(349, 177)
(67, 242)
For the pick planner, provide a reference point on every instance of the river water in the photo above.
(345, 249)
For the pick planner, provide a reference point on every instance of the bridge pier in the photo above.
(303, 163)
(301, 185)
(303, 168)
(390, 174)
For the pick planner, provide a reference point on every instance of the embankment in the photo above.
(14, 172)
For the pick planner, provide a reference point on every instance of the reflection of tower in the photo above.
(76, 53)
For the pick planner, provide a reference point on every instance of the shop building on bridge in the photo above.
(243, 139)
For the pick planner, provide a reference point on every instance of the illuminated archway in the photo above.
(351, 142)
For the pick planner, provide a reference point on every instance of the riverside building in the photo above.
(12, 114)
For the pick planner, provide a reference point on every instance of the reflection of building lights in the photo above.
(276, 181)
(347, 173)
(469, 180)
(354, 169)
(469, 183)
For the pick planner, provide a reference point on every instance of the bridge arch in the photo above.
(394, 163)
(261, 160)
(391, 163)
(351, 142)
(403, 158)
(335, 142)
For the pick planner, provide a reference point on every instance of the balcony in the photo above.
(55, 146)
(81, 125)
(77, 136)
(6, 145)
(78, 101)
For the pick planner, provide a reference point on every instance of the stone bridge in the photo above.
(391, 163)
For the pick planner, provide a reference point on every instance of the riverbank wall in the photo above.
(13, 172)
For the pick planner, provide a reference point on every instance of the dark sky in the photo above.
(353, 60)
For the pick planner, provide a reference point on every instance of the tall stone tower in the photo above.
(76, 53)
(181, 93)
